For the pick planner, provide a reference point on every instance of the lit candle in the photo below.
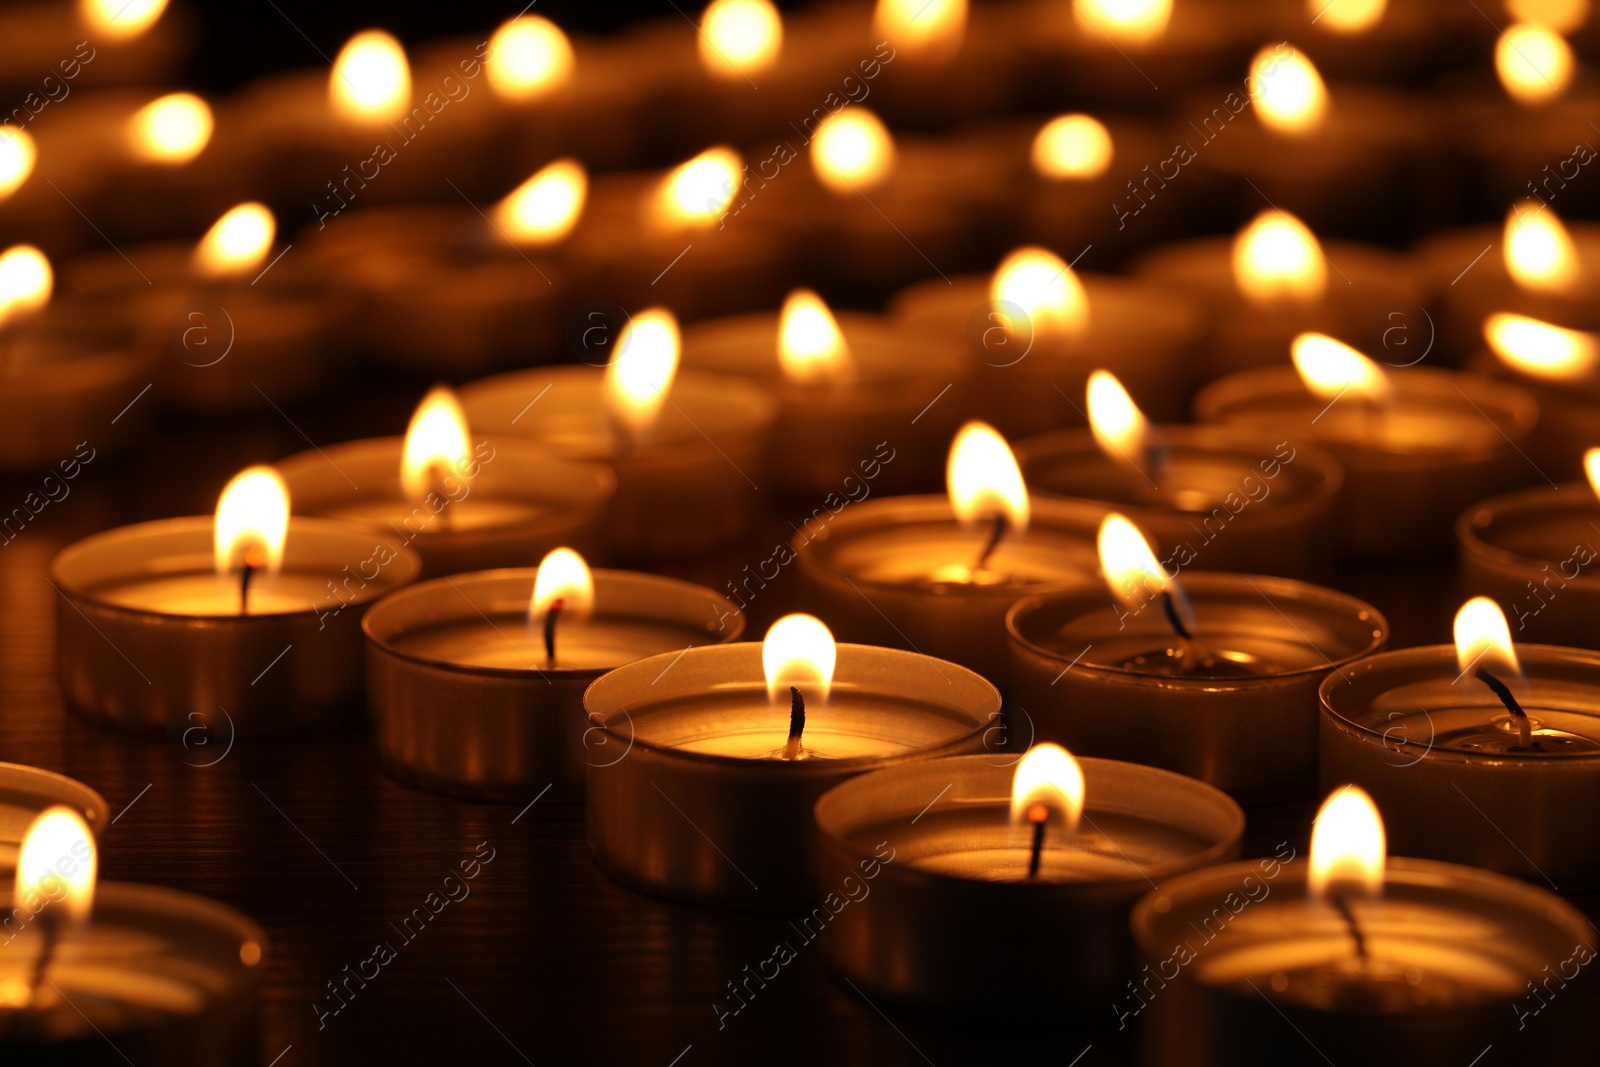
(1560, 368)
(729, 748)
(26, 792)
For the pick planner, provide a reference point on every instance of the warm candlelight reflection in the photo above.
(56, 867)
(852, 151)
(26, 282)
(1346, 16)
(563, 578)
(1127, 21)
(639, 375)
(929, 31)
(983, 479)
(1540, 349)
(1562, 16)
(1539, 252)
(1129, 564)
(1291, 98)
(1331, 369)
(252, 521)
(545, 208)
(121, 18)
(237, 243)
(811, 348)
(17, 156)
(1048, 776)
(171, 129)
(739, 37)
(1119, 427)
(1534, 64)
(1591, 468)
(696, 193)
(1348, 846)
(799, 650)
(1483, 639)
(1072, 146)
(528, 55)
(1277, 257)
(1040, 283)
(436, 445)
(370, 81)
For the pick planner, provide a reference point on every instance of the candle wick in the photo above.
(50, 930)
(437, 475)
(551, 615)
(1518, 716)
(1155, 456)
(1170, 607)
(1038, 815)
(1001, 525)
(249, 564)
(1342, 905)
(797, 723)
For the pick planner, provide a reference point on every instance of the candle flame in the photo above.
(1348, 846)
(252, 521)
(171, 129)
(1047, 290)
(1347, 16)
(1048, 775)
(1129, 564)
(739, 37)
(811, 347)
(1483, 639)
(929, 31)
(436, 444)
(1534, 64)
(544, 209)
(121, 18)
(1539, 252)
(640, 374)
(696, 193)
(1072, 147)
(1591, 467)
(563, 576)
(1277, 257)
(237, 243)
(1541, 350)
(1332, 369)
(1119, 427)
(799, 650)
(1561, 16)
(1291, 98)
(17, 156)
(528, 56)
(370, 81)
(56, 866)
(26, 282)
(852, 151)
(983, 479)
(1134, 22)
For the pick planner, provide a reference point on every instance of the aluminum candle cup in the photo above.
(1242, 966)
(1446, 441)
(1533, 552)
(463, 700)
(1104, 681)
(1228, 500)
(27, 791)
(150, 592)
(523, 502)
(687, 486)
(897, 572)
(1028, 383)
(934, 844)
(163, 976)
(697, 803)
(1569, 412)
(1440, 759)
(825, 431)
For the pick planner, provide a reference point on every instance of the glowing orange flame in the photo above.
(371, 80)
(799, 650)
(544, 209)
(252, 521)
(56, 866)
(1348, 846)
(983, 479)
(1535, 65)
(1048, 775)
(1277, 257)
(1332, 369)
(170, 130)
(852, 151)
(563, 576)
(1074, 147)
(739, 37)
(811, 348)
(528, 56)
(1539, 252)
(1541, 350)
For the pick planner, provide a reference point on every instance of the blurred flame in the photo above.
(811, 348)
(17, 156)
(1119, 427)
(1562, 16)
(1348, 846)
(929, 31)
(1291, 98)
(26, 282)
(1534, 64)
(1591, 467)
(1128, 21)
(696, 193)
(56, 866)
(252, 521)
(170, 129)
(1072, 146)
(739, 37)
(545, 208)
(983, 479)
(436, 444)
(639, 375)
(1540, 349)
(1346, 16)
(1047, 290)
(1129, 564)
(1277, 257)
(1483, 639)
(370, 81)
(563, 576)
(1331, 369)
(121, 18)
(1539, 252)
(852, 151)
(237, 243)
(1048, 775)
(799, 650)
(528, 55)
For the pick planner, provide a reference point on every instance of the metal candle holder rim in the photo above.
(1472, 541)
(88, 800)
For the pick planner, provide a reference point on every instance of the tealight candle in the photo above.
(1560, 369)
(25, 792)
(475, 683)
(1038, 329)
(158, 974)
(845, 384)
(460, 505)
(728, 748)
(1215, 677)
(944, 59)
(1362, 959)
(1471, 748)
(688, 448)
(1187, 485)
(199, 613)
(937, 574)
(1418, 446)
(1061, 848)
